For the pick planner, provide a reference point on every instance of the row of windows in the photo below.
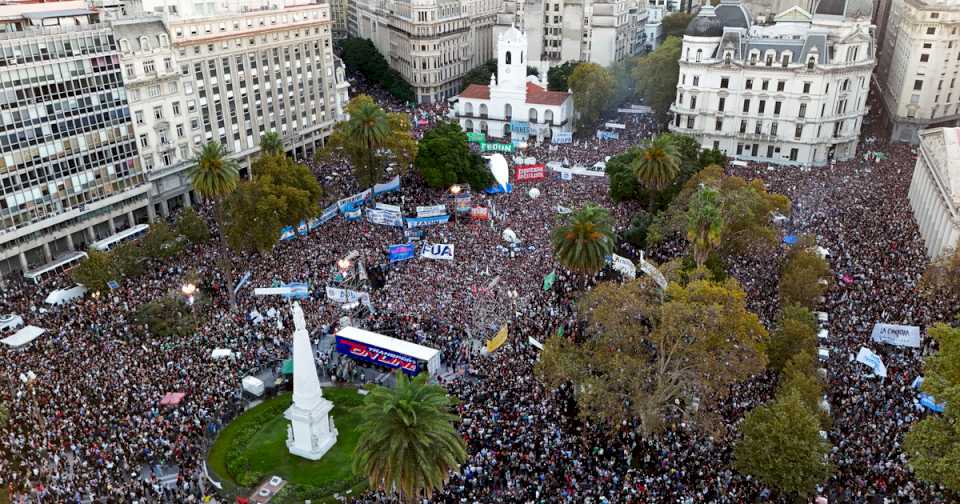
(15, 52)
(758, 126)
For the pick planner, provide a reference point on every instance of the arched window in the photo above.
(483, 109)
(548, 116)
(468, 108)
(810, 62)
(533, 115)
(468, 124)
(699, 55)
(785, 58)
(727, 57)
(144, 44)
(164, 40)
(508, 57)
(124, 45)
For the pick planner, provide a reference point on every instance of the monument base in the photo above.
(311, 433)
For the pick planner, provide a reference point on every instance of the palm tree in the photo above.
(271, 143)
(658, 163)
(704, 222)
(368, 130)
(583, 243)
(214, 176)
(408, 444)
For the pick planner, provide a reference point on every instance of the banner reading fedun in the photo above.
(497, 340)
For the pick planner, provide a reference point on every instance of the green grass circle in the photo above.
(260, 434)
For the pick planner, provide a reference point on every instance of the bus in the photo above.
(127, 234)
(56, 267)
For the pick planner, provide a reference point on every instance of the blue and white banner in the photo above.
(298, 290)
(302, 228)
(287, 233)
(499, 189)
(352, 214)
(388, 208)
(243, 280)
(384, 217)
(401, 252)
(431, 211)
(413, 222)
(898, 335)
(608, 135)
(927, 401)
(328, 213)
(392, 185)
(344, 296)
(442, 251)
(355, 200)
(563, 137)
(866, 356)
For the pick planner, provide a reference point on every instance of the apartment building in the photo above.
(919, 66)
(793, 92)
(70, 171)
(339, 13)
(599, 31)
(432, 43)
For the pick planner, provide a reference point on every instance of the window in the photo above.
(924, 58)
(722, 104)
(739, 149)
(148, 67)
(758, 127)
(158, 113)
(690, 119)
(806, 88)
(785, 60)
(765, 85)
(798, 132)
(793, 154)
(743, 126)
(718, 125)
(724, 82)
(699, 55)
(507, 58)
(130, 71)
(932, 30)
(168, 64)
(776, 108)
(176, 108)
(144, 141)
(781, 85)
(810, 62)
(746, 105)
(693, 102)
(761, 106)
(773, 129)
(748, 84)
(696, 80)
(917, 85)
(769, 151)
(139, 115)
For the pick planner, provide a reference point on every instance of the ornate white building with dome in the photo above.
(793, 92)
(514, 106)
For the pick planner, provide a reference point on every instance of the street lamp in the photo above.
(343, 264)
(455, 190)
(188, 289)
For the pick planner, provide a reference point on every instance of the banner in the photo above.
(392, 185)
(463, 202)
(401, 252)
(562, 137)
(388, 208)
(652, 272)
(519, 127)
(431, 211)
(476, 137)
(898, 335)
(498, 189)
(613, 125)
(562, 210)
(497, 340)
(413, 234)
(384, 217)
(549, 279)
(579, 170)
(287, 233)
(479, 214)
(378, 356)
(352, 214)
(530, 172)
(344, 296)
(624, 266)
(355, 200)
(329, 213)
(927, 401)
(608, 135)
(243, 280)
(414, 222)
(866, 356)
(534, 342)
(302, 228)
(443, 251)
(496, 147)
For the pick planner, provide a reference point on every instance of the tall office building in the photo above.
(339, 12)
(432, 43)
(919, 67)
(69, 167)
(793, 92)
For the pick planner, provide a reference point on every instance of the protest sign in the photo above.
(898, 335)
(442, 251)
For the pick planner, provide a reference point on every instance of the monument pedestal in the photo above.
(311, 432)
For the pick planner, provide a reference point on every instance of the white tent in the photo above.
(61, 296)
(221, 353)
(499, 169)
(10, 322)
(23, 336)
(253, 385)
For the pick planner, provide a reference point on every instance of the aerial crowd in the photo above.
(89, 425)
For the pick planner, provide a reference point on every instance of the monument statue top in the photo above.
(299, 323)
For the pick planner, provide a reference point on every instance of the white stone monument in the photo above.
(311, 431)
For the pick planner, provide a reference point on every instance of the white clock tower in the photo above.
(511, 82)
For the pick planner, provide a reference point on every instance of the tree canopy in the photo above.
(656, 74)
(704, 222)
(796, 331)
(480, 74)
(646, 359)
(192, 227)
(95, 271)
(558, 75)
(444, 158)
(658, 163)
(583, 242)
(675, 24)
(942, 276)
(592, 87)
(805, 275)
(362, 56)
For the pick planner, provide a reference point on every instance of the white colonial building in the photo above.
(513, 102)
(935, 189)
(792, 92)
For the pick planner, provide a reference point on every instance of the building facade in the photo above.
(604, 32)
(432, 43)
(514, 106)
(919, 64)
(793, 92)
(70, 171)
(339, 13)
(935, 190)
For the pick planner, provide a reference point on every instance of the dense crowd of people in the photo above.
(89, 426)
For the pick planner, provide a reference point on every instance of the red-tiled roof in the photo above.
(476, 91)
(540, 96)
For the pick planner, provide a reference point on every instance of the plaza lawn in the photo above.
(266, 450)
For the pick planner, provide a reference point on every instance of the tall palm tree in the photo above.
(583, 243)
(658, 163)
(271, 143)
(704, 222)
(368, 130)
(408, 444)
(214, 176)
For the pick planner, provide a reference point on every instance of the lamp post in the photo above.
(188, 289)
(455, 190)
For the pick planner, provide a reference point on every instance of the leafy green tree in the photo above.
(800, 375)
(271, 143)
(401, 144)
(782, 447)
(648, 359)
(192, 227)
(636, 233)
(675, 25)
(622, 179)
(481, 74)
(747, 207)
(558, 75)
(592, 87)
(95, 271)
(127, 260)
(656, 75)
(796, 332)
(167, 317)
(942, 276)
(282, 193)
(704, 223)
(583, 242)
(408, 443)
(658, 163)
(444, 158)
(805, 276)
(712, 157)
(160, 242)
(214, 176)
(362, 56)
(933, 444)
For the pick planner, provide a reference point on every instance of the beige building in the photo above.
(919, 65)
(432, 43)
(935, 189)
